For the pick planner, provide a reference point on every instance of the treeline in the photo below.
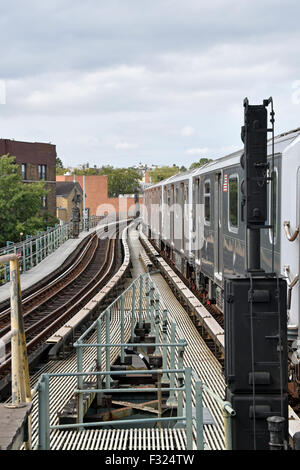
(21, 211)
(127, 180)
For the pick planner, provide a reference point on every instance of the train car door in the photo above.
(218, 227)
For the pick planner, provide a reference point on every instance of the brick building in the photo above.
(37, 162)
(96, 191)
(65, 192)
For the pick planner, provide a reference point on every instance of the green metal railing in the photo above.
(187, 420)
(140, 303)
(36, 248)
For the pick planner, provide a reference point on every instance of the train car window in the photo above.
(195, 202)
(207, 201)
(233, 203)
(273, 210)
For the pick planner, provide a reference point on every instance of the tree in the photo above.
(86, 171)
(201, 162)
(123, 181)
(20, 203)
(106, 170)
(59, 163)
(163, 172)
(60, 170)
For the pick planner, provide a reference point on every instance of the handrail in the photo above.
(44, 407)
(287, 229)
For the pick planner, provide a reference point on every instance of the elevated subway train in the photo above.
(196, 220)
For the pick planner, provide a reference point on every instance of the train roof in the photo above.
(281, 141)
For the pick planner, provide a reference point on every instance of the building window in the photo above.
(233, 203)
(42, 172)
(24, 171)
(207, 201)
(44, 202)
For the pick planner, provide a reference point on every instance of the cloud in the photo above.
(187, 131)
(197, 151)
(125, 146)
(160, 73)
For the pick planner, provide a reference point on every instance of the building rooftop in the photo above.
(64, 188)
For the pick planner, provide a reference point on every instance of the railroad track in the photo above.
(44, 293)
(51, 306)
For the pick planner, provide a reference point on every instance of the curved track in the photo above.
(52, 305)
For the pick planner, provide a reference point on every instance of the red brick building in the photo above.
(96, 190)
(37, 162)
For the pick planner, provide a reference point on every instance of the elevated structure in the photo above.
(169, 390)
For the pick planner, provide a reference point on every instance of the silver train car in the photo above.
(195, 219)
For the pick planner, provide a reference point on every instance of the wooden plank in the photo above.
(137, 406)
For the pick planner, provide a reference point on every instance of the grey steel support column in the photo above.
(188, 408)
(79, 383)
(199, 415)
(47, 416)
(141, 304)
(24, 257)
(122, 328)
(152, 301)
(31, 256)
(180, 379)
(172, 402)
(157, 348)
(165, 379)
(107, 327)
(99, 360)
(37, 251)
(133, 298)
(147, 298)
(44, 425)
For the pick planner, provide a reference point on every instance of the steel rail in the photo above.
(104, 271)
(47, 291)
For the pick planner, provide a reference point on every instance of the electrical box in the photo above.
(243, 426)
(265, 329)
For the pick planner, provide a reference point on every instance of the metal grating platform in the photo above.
(197, 354)
(119, 439)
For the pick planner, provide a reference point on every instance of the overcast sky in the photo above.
(155, 81)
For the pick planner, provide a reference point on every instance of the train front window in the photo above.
(207, 201)
(233, 202)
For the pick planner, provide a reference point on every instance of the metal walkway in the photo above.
(60, 395)
(197, 354)
(200, 358)
(119, 439)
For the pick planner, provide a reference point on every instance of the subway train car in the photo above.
(196, 221)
